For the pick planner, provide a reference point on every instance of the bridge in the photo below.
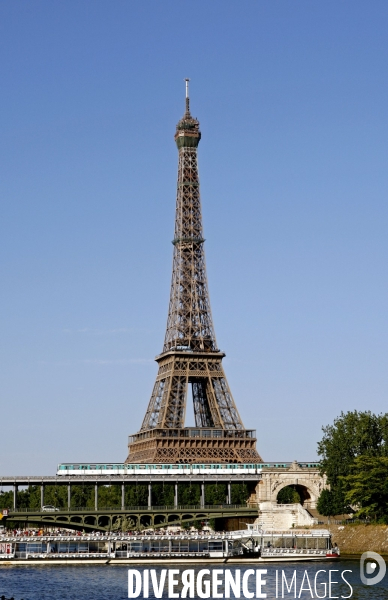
(264, 486)
(123, 480)
(131, 518)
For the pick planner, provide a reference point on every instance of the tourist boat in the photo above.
(152, 547)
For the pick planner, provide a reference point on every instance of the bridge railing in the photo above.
(180, 507)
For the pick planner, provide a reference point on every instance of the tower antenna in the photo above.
(187, 96)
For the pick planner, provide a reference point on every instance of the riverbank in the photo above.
(356, 539)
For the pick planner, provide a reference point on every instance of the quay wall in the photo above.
(356, 539)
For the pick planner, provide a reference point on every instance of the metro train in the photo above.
(172, 469)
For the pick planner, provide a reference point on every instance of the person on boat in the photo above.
(335, 549)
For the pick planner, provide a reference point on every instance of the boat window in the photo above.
(300, 542)
(36, 547)
(215, 546)
(288, 542)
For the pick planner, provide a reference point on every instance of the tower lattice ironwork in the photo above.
(190, 354)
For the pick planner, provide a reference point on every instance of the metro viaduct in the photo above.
(134, 518)
(69, 480)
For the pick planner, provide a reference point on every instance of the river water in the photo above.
(82, 582)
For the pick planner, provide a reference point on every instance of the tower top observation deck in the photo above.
(187, 130)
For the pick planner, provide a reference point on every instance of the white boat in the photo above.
(152, 547)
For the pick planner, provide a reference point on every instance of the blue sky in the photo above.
(292, 98)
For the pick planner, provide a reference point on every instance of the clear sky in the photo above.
(292, 98)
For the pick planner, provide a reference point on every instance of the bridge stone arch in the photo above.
(307, 492)
(275, 479)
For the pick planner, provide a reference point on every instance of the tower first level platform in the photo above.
(192, 445)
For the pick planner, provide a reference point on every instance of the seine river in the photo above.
(111, 582)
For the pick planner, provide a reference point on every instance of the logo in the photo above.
(374, 560)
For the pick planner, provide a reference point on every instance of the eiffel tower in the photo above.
(190, 354)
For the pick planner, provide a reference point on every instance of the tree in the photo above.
(367, 486)
(82, 495)
(330, 503)
(6, 499)
(240, 493)
(136, 494)
(215, 493)
(288, 495)
(163, 494)
(109, 496)
(189, 493)
(352, 434)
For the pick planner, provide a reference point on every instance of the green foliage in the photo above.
(6, 499)
(288, 495)
(56, 495)
(352, 434)
(82, 496)
(215, 493)
(239, 493)
(109, 496)
(136, 495)
(331, 502)
(367, 486)
(189, 494)
(163, 494)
